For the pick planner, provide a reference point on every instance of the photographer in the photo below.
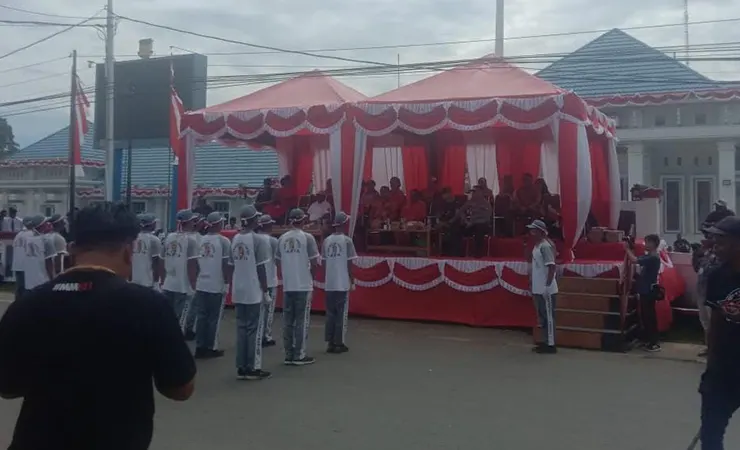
(647, 289)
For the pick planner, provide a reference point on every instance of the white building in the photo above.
(678, 130)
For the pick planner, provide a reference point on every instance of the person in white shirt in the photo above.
(544, 285)
(250, 255)
(264, 228)
(191, 316)
(213, 277)
(12, 223)
(180, 260)
(319, 209)
(298, 255)
(19, 259)
(147, 253)
(40, 253)
(338, 253)
(58, 223)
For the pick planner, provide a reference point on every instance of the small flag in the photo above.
(79, 128)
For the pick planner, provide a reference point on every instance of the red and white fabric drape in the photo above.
(549, 167)
(321, 162)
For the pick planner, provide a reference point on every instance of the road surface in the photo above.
(410, 386)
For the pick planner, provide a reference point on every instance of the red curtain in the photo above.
(451, 162)
(600, 200)
(302, 164)
(415, 167)
(515, 158)
(367, 169)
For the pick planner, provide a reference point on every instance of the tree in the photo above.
(7, 138)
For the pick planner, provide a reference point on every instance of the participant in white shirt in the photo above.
(298, 255)
(213, 277)
(180, 260)
(191, 314)
(338, 253)
(58, 223)
(250, 255)
(19, 259)
(40, 253)
(12, 223)
(319, 208)
(544, 285)
(264, 230)
(147, 253)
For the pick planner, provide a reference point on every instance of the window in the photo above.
(222, 206)
(672, 204)
(700, 119)
(659, 121)
(703, 200)
(49, 210)
(138, 207)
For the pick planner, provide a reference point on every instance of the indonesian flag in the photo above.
(79, 128)
(182, 159)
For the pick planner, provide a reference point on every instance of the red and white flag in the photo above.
(183, 159)
(79, 128)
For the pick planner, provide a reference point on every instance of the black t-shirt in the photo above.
(648, 276)
(723, 296)
(82, 351)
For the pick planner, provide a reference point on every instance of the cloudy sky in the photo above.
(409, 30)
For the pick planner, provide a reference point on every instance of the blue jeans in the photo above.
(269, 315)
(336, 317)
(178, 301)
(249, 336)
(191, 314)
(296, 319)
(210, 309)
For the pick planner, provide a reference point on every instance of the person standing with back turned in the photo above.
(338, 252)
(264, 223)
(147, 253)
(82, 350)
(544, 285)
(180, 255)
(298, 255)
(19, 258)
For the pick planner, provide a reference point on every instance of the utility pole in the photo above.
(500, 28)
(110, 93)
(73, 130)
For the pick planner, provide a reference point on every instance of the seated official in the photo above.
(473, 219)
(266, 194)
(382, 209)
(319, 209)
(396, 197)
(416, 209)
(549, 209)
(485, 190)
(286, 194)
(445, 211)
(528, 198)
(432, 193)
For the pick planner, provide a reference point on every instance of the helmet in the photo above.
(214, 218)
(296, 215)
(248, 212)
(186, 215)
(340, 219)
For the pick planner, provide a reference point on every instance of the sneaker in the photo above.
(341, 348)
(332, 349)
(546, 350)
(268, 343)
(253, 375)
(652, 348)
(289, 362)
(207, 353)
(190, 336)
(304, 361)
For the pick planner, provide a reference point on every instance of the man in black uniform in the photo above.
(82, 349)
(720, 383)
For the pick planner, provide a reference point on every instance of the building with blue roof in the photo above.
(678, 129)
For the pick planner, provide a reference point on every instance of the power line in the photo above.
(32, 80)
(40, 63)
(51, 36)
(13, 8)
(37, 23)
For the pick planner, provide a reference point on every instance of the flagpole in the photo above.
(72, 131)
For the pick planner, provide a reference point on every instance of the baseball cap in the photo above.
(265, 219)
(538, 225)
(186, 215)
(296, 215)
(340, 218)
(27, 222)
(248, 212)
(729, 226)
(214, 218)
(36, 221)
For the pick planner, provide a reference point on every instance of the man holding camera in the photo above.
(647, 280)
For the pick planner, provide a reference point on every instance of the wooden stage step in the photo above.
(591, 313)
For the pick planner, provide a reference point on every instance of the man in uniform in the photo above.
(19, 258)
(147, 253)
(180, 255)
(263, 231)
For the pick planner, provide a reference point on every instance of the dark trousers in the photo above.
(336, 317)
(296, 319)
(20, 284)
(717, 407)
(648, 319)
(210, 308)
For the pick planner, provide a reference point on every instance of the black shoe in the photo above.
(252, 375)
(546, 350)
(304, 361)
(341, 348)
(268, 343)
(652, 348)
(537, 346)
(190, 336)
(208, 353)
(332, 349)
(289, 362)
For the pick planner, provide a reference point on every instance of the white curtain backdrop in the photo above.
(583, 178)
(481, 162)
(615, 187)
(359, 165)
(321, 158)
(387, 163)
(283, 149)
(335, 165)
(550, 167)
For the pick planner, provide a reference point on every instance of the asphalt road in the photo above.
(410, 386)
